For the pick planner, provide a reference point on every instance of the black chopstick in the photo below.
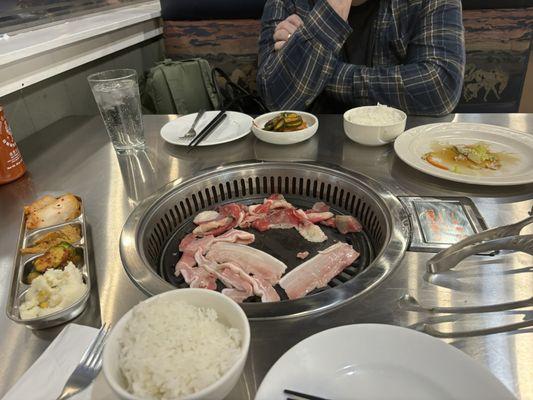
(210, 127)
(303, 395)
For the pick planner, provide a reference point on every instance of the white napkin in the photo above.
(45, 379)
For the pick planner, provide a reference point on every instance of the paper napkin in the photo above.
(45, 379)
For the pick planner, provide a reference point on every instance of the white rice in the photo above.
(374, 116)
(170, 349)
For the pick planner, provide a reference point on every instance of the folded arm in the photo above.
(429, 81)
(295, 75)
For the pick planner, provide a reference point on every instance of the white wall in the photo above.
(35, 107)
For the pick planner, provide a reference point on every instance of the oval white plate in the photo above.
(414, 143)
(373, 361)
(235, 126)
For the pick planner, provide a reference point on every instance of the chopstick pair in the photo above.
(300, 396)
(210, 127)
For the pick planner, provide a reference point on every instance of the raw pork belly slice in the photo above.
(240, 285)
(190, 245)
(319, 207)
(216, 223)
(214, 227)
(318, 271)
(205, 216)
(302, 254)
(344, 223)
(250, 260)
(312, 232)
(287, 218)
(229, 276)
(199, 278)
(347, 224)
(316, 217)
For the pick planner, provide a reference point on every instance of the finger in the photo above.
(290, 28)
(278, 45)
(281, 35)
(295, 20)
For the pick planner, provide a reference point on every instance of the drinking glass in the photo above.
(117, 95)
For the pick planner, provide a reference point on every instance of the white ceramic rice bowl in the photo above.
(373, 135)
(229, 313)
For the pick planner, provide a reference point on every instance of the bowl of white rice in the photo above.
(374, 125)
(182, 344)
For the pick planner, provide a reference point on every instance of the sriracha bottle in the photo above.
(11, 164)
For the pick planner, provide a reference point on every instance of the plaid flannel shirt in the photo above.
(418, 57)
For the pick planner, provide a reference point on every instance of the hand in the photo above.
(342, 7)
(285, 29)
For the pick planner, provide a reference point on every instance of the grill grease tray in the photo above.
(156, 226)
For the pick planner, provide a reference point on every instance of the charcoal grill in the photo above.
(150, 237)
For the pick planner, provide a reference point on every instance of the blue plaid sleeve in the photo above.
(430, 80)
(294, 76)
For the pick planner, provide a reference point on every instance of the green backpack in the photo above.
(179, 87)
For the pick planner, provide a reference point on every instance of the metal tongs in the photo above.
(502, 238)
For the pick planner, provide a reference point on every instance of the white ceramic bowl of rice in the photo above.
(374, 125)
(182, 344)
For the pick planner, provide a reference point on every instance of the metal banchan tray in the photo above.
(19, 287)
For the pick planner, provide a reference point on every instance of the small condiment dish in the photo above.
(284, 138)
(229, 313)
(373, 135)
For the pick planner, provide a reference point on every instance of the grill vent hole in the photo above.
(208, 197)
(334, 199)
(215, 195)
(174, 219)
(189, 207)
(202, 200)
(195, 201)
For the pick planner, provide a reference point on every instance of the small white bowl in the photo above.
(373, 135)
(229, 313)
(283, 138)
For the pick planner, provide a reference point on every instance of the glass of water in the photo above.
(117, 95)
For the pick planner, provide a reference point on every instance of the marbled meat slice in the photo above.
(320, 207)
(206, 216)
(234, 277)
(287, 218)
(190, 245)
(311, 232)
(318, 271)
(215, 227)
(302, 255)
(216, 223)
(347, 224)
(252, 261)
(316, 217)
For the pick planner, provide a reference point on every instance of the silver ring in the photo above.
(288, 37)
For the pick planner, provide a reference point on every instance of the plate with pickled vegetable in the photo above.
(285, 127)
(478, 154)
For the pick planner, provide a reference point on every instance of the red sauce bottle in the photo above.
(11, 164)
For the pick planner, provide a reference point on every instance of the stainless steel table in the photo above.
(75, 155)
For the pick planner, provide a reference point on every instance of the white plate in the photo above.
(414, 143)
(379, 362)
(235, 126)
